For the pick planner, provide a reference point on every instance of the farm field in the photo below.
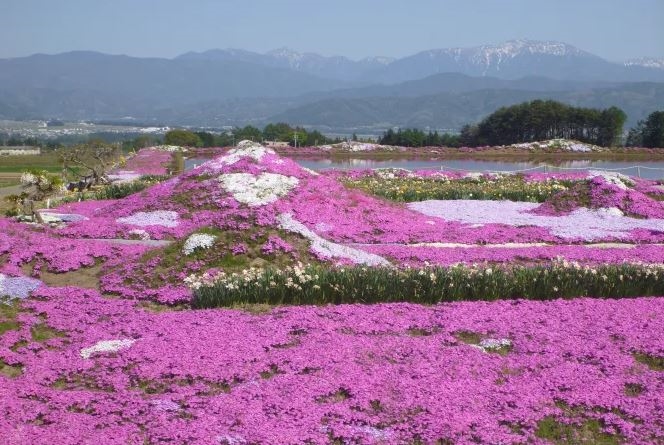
(48, 161)
(250, 300)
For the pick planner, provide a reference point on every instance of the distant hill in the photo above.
(442, 87)
(93, 85)
(335, 67)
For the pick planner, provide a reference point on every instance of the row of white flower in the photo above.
(327, 248)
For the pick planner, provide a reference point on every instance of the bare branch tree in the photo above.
(90, 161)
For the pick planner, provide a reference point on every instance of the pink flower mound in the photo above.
(602, 194)
(149, 161)
(276, 244)
(358, 373)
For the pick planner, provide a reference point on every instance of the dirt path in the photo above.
(11, 190)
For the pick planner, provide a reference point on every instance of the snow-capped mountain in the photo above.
(508, 60)
(646, 62)
(491, 57)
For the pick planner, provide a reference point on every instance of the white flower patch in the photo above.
(583, 223)
(66, 217)
(327, 248)
(322, 227)
(244, 149)
(28, 178)
(123, 176)
(563, 144)
(228, 439)
(310, 171)
(257, 190)
(17, 287)
(618, 179)
(198, 241)
(610, 211)
(166, 218)
(106, 346)
(170, 148)
(493, 344)
(165, 405)
(391, 173)
(474, 175)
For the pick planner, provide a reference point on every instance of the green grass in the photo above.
(161, 265)
(42, 332)
(8, 182)
(8, 313)
(653, 362)
(634, 389)
(45, 161)
(586, 431)
(11, 371)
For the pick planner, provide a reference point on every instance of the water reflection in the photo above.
(644, 169)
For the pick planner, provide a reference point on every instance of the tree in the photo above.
(635, 135)
(182, 138)
(248, 132)
(90, 162)
(278, 132)
(206, 139)
(653, 130)
(36, 185)
(546, 119)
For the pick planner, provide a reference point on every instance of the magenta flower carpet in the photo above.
(99, 342)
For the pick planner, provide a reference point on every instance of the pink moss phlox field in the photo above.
(93, 365)
(359, 373)
(274, 244)
(149, 161)
(632, 200)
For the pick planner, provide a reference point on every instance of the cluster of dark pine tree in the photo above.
(412, 137)
(546, 119)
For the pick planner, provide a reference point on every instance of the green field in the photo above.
(16, 164)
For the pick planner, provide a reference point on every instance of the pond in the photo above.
(643, 169)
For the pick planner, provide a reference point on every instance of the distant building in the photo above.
(19, 150)
(276, 144)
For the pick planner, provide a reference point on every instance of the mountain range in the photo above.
(440, 88)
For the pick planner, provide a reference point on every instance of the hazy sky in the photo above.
(613, 29)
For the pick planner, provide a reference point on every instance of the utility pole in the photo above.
(296, 139)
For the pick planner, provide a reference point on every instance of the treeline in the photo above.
(412, 137)
(279, 132)
(537, 121)
(547, 119)
(648, 133)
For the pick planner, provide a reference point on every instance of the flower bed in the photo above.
(420, 186)
(503, 372)
(321, 285)
(99, 342)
